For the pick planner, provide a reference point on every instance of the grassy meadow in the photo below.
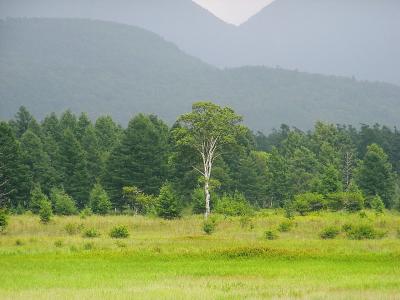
(176, 260)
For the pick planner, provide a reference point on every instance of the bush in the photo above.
(285, 226)
(376, 204)
(58, 243)
(364, 232)
(37, 196)
(73, 229)
(329, 233)
(209, 226)
(119, 232)
(353, 202)
(99, 201)
(308, 202)
(347, 227)
(63, 203)
(235, 205)
(86, 212)
(45, 211)
(3, 220)
(91, 233)
(168, 206)
(270, 235)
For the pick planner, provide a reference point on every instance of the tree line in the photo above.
(207, 160)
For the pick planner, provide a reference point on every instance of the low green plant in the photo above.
(72, 228)
(86, 212)
(63, 203)
(19, 242)
(347, 227)
(354, 202)
(330, 232)
(45, 211)
(270, 235)
(285, 226)
(88, 246)
(99, 201)
(362, 214)
(308, 202)
(119, 232)
(91, 233)
(233, 205)
(58, 243)
(167, 204)
(209, 226)
(364, 232)
(398, 233)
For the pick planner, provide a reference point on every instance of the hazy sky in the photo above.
(234, 11)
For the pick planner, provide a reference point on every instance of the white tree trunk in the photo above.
(208, 197)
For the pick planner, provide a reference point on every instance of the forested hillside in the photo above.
(74, 160)
(342, 37)
(107, 68)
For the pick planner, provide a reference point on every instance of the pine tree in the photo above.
(90, 145)
(37, 196)
(168, 204)
(139, 160)
(15, 180)
(73, 164)
(375, 175)
(99, 201)
(37, 160)
(22, 121)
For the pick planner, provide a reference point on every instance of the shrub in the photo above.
(45, 211)
(3, 220)
(354, 202)
(86, 212)
(119, 232)
(289, 210)
(308, 202)
(91, 233)
(329, 233)
(168, 206)
(19, 242)
(63, 203)
(347, 227)
(37, 196)
(270, 235)
(246, 221)
(71, 228)
(363, 232)
(285, 226)
(140, 202)
(209, 226)
(376, 204)
(235, 205)
(335, 201)
(99, 201)
(58, 243)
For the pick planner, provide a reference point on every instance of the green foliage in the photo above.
(86, 212)
(3, 220)
(363, 232)
(72, 228)
(140, 202)
(99, 201)
(376, 204)
(285, 226)
(62, 202)
(119, 232)
(37, 196)
(308, 202)
(330, 232)
(354, 202)
(270, 235)
(209, 226)
(375, 175)
(91, 233)
(168, 205)
(235, 205)
(45, 211)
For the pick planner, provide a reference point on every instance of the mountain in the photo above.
(194, 29)
(358, 38)
(107, 68)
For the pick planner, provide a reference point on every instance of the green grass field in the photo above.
(176, 260)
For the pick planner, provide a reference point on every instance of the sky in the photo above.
(234, 11)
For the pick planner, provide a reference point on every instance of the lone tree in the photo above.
(208, 129)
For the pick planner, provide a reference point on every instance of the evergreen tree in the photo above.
(139, 160)
(99, 201)
(330, 181)
(168, 204)
(15, 180)
(37, 160)
(90, 144)
(375, 175)
(22, 121)
(75, 177)
(37, 196)
(82, 125)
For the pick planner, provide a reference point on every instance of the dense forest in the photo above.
(108, 68)
(76, 164)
